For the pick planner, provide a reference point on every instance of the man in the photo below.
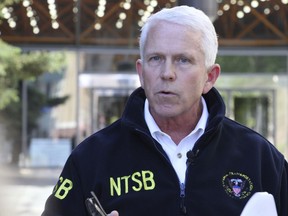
(138, 165)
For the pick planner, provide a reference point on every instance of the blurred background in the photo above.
(67, 68)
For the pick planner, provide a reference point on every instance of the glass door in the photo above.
(108, 106)
(252, 108)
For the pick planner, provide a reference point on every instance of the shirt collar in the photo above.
(153, 127)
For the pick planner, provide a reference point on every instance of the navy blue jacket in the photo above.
(129, 171)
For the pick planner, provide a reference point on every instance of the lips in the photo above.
(166, 93)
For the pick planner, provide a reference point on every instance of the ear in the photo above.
(212, 75)
(139, 68)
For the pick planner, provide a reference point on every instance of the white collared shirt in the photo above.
(177, 153)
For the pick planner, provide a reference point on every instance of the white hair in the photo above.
(190, 17)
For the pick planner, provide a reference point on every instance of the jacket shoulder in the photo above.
(249, 138)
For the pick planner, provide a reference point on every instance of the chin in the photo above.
(167, 113)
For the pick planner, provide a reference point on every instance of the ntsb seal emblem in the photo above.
(237, 185)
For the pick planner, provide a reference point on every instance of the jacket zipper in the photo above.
(182, 185)
(183, 188)
(182, 197)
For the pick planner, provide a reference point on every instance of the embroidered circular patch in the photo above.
(237, 185)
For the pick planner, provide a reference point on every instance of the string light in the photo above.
(254, 3)
(226, 7)
(126, 5)
(240, 3)
(32, 15)
(220, 12)
(7, 14)
(243, 8)
(53, 14)
(276, 7)
(246, 9)
(122, 17)
(100, 12)
(267, 11)
(150, 7)
(97, 26)
(240, 14)
(26, 3)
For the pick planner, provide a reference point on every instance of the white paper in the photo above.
(262, 204)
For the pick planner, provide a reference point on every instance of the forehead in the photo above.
(170, 36)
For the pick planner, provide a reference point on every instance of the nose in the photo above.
(168, 71)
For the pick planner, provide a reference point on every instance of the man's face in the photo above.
(173, 72)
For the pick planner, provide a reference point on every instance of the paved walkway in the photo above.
(23, 191)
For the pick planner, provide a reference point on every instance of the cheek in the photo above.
(194, 85)
(141, 81)
(148, 77)
(146, 82)
(140, 71)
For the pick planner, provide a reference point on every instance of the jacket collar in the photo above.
(216, 108)
(134, 111)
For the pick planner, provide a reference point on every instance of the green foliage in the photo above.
(16, 66)
(36, 63)
(9, 71)
(252, 64)
(4, 3)
(11, 117)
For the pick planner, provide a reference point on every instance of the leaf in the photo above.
(7, 96)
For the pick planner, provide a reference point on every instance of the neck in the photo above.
(179, 127)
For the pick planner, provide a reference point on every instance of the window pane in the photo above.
(253, 64)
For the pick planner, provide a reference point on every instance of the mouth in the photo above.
(166, 93)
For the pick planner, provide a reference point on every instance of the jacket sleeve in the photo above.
(283, 206)
(67, 197)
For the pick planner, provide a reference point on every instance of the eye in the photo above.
(183, 60)
(155, 58)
